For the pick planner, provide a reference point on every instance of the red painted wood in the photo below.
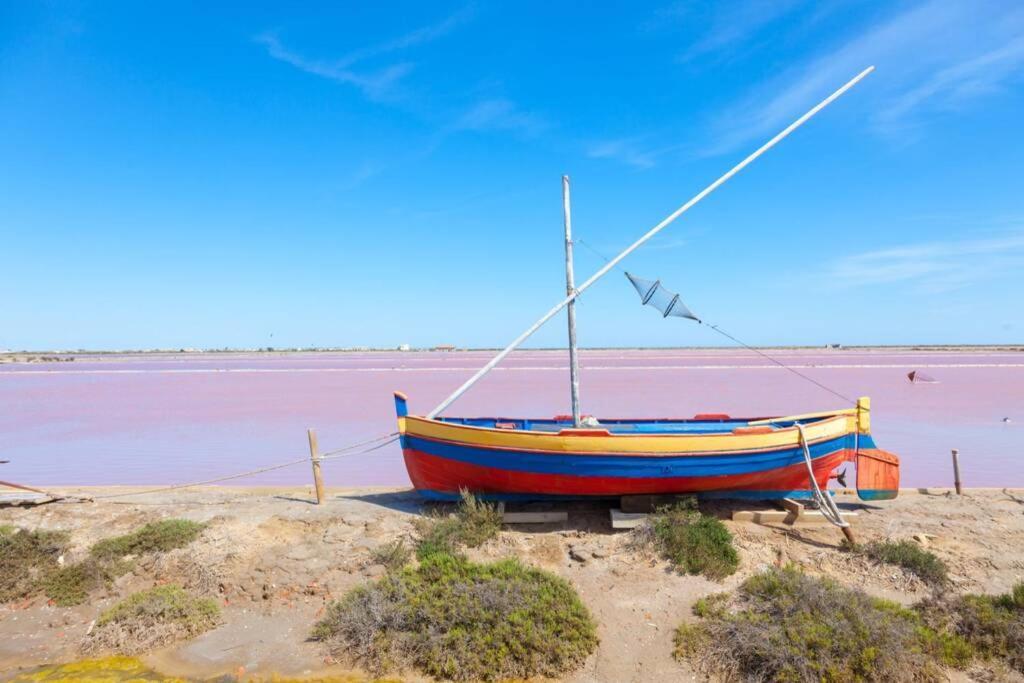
(441, 474)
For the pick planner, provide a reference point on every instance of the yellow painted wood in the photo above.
(825, 429)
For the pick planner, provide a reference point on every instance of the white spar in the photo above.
(648, 235)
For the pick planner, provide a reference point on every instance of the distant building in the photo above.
(444, 347)
(403, 347)
(833, 346)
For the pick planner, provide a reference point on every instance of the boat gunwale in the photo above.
(784, 437)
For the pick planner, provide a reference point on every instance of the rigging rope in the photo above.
(796, 372)
(725, 334)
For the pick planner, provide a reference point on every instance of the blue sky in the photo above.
(380, 174)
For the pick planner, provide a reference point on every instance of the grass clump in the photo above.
(783, 625)
(154, 537)
(909, 555)
(454, 619)
(393, 556)
(693, 542)
(150, 619)
(473, 523)
(26, 558)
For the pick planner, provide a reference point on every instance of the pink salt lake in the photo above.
(162, 419)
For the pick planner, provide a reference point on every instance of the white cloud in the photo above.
(932, 266)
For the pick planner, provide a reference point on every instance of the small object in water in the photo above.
(918, 377)
(1007, 420)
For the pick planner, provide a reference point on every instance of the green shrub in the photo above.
(159, 536)
(785, 626)
(693, 542)
(909, 555)
(152, 618)
(393, 556)
(71, 584)
(473, 523)
(454, 619)
(26, 557)
(992, 624)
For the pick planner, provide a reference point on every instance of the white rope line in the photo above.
(328, 454)
(337, 453)
(826, 505)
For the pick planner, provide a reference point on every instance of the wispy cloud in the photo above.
(933, 266)
(731, 24)
(960, 82)
(375, 82)
(934, 55)
(374, 85)
(628, 151)
(499, 114)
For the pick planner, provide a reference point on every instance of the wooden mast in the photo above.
(570, 289)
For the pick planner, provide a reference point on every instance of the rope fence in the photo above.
(316, 458)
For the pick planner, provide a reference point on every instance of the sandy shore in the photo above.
(273, 560)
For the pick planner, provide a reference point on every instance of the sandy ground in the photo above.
(274, 560)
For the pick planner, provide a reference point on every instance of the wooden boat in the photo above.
(711, 455)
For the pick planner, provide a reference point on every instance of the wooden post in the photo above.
(570, 289)
(956, 471)
(314, 456)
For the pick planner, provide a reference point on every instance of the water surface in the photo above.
(159, 419)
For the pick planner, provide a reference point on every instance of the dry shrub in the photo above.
(150, 619)
(693, 542)
(474, 523)
(783, 625)
(393, 556)
(454, 619)
(26, 558)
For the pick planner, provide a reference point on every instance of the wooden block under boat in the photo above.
(627, 520)
(784, 516)
(534, 517)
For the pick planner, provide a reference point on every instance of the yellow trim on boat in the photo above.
(842, 422)
(864, 415)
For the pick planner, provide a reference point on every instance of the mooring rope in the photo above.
(330, 455)
(826, 505)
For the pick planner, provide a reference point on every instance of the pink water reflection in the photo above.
(172, 418)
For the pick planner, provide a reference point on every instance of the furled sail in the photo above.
(652, 293)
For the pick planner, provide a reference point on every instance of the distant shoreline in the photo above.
(64, 355)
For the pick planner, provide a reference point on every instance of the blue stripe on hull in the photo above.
(630, 466)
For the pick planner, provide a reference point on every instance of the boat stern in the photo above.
(878, 471)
